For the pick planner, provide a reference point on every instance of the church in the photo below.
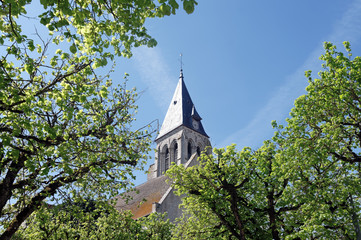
(181, 139)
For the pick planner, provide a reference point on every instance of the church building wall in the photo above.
(187, 142)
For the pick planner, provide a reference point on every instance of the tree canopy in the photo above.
(304, 184)
(66, 134)
(91, 220)
(323, 139)
(237, 195)
(64, 128)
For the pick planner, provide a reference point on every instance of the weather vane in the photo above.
(181, 61)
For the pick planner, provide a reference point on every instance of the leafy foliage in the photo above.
(235, 194)
(247, 195)
(303, 185)
(93, 220)
(322, 142)
(64, 128)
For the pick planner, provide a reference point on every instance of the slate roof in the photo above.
(141, 203)
(181, 111)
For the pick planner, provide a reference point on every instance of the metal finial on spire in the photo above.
(181, 62)
(181, 66)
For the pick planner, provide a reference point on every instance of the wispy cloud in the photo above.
(154, 71)
(346, 29)
(277, 108)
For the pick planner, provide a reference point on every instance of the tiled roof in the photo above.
(140, 203)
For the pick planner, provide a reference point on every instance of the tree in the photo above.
(236, 195)
(323, 140)
(261, 195)
(303, 185)
(91, 220)
(64, 128)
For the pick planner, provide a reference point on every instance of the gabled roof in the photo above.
(141, 203)
(155, 190)
(181, 111)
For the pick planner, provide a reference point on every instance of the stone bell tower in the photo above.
(182, 134)
(181, 140)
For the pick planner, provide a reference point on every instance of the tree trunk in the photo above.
(355, 220)
(272, 216)
(6, 185)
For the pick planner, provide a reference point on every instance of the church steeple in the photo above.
(181, 112)
(180, 141)
(181, 137)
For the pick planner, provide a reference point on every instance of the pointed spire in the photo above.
(181, 111)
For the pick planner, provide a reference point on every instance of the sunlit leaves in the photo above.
(235, 193)
(64, 128)
(101, 29)
(322, 146)
(88, 219)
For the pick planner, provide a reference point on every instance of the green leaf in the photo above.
(166, 9)
(188, 6)
(72, 48)
(152, 43)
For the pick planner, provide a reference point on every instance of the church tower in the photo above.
(181, 139)
(182, 134)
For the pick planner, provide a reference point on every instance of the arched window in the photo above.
(198, 151)
(175, 152)
(189, 150)
(166, 163)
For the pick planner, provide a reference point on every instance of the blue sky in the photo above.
(244, 62)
